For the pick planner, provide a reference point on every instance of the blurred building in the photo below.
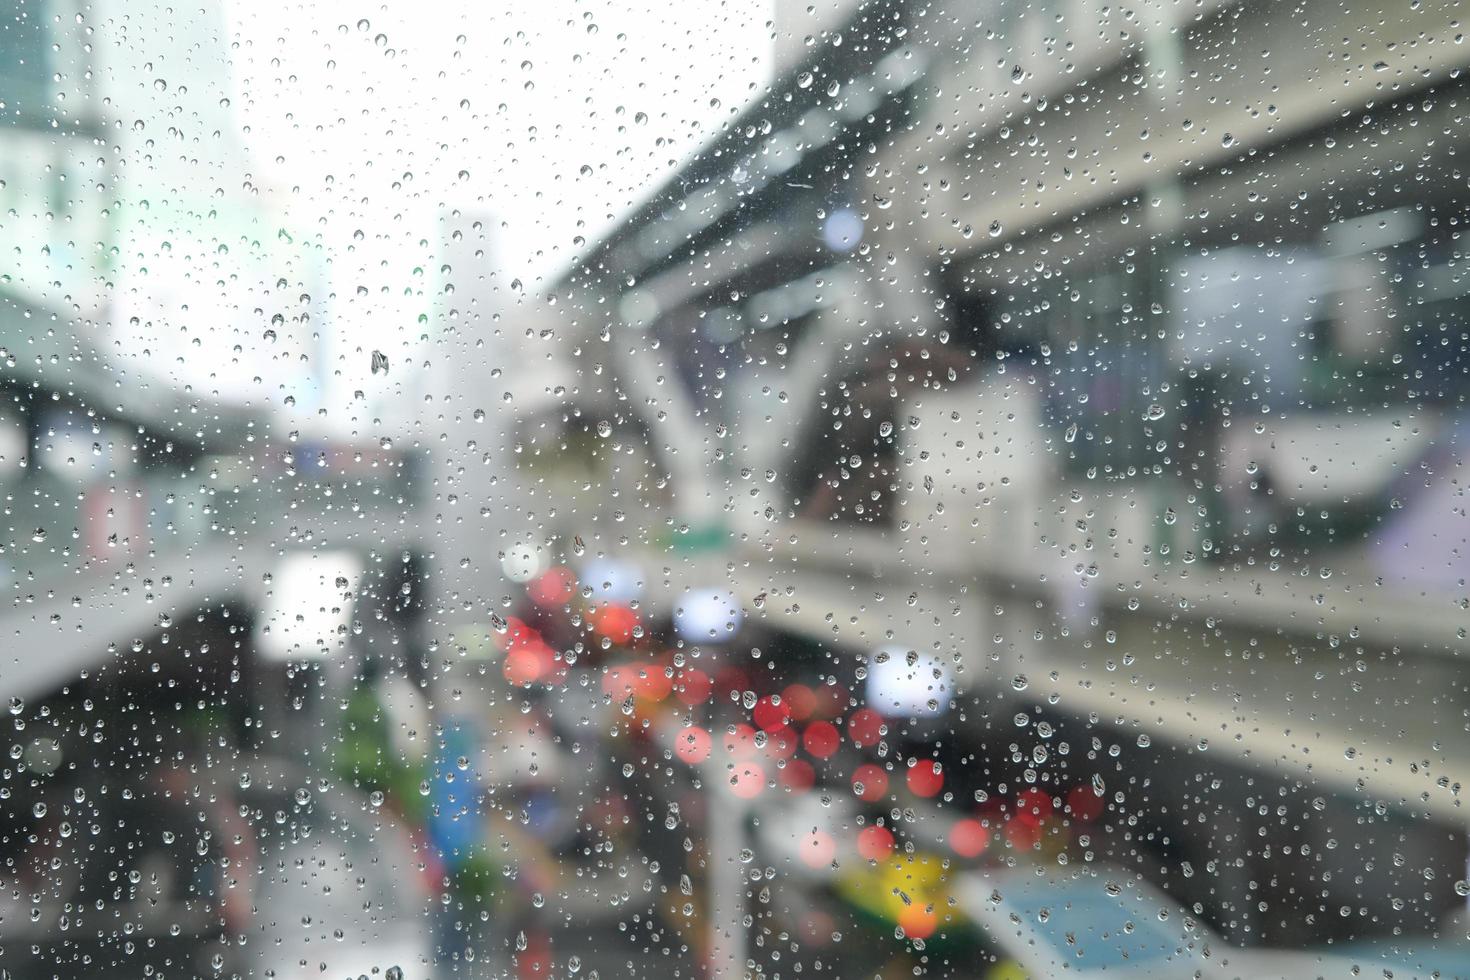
(1022, 439)
(1128, 346)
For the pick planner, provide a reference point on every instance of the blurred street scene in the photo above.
(869, 488)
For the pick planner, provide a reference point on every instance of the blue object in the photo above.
(1084, 916)
(1414, 955)
(455, 797)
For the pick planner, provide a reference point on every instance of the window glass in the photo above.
(838, 488)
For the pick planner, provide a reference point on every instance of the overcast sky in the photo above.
(360, 124)
(553, 115)
(288, 149)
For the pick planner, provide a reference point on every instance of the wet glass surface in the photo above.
(853, 489)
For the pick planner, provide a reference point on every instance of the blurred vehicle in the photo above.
(1086, 925)
(847, 489)
(1102, 922)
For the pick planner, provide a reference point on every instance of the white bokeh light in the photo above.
(706, 615)
(906, 683)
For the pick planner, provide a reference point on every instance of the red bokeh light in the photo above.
(873, 780)
(800, 699)
(1034, 804)
(918, 921)
(994, 807)
(831, 700)
(747, 780)
(652, 682)
(771, 713)
(692, 745)
(553, 667)
(817, 849)
(864, 727)
(798, 776)
(781, 743)
(821, 739)
(925, 778)
(518, 633)
(739, 741)
(875, 843)
(969, 838)
(554, 588)
(693, 686)
(522, 666)
(731, 678)
(1023, 834)
(1085, 804)
(614, 622)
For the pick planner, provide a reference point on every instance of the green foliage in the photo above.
(477, 878)
(365, 758)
